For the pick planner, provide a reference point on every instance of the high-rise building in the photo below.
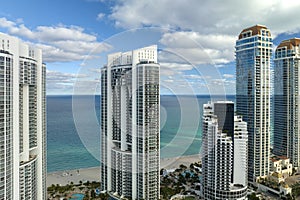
(287, 101)
(253, 54)
(22, 121)
(130, 130)
(224, 152)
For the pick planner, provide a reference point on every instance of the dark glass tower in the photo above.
(253, 54)
(286, 100)
(225, 113)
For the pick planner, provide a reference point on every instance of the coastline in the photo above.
(74, 175)
(173, 163)
(93, 173)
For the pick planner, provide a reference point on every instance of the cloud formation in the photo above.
(59, 43)
(206, 30)
(208, 17)
(100, 16)
(60, 82)
(199, 48)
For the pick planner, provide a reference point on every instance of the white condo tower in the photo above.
(130, 131)
(224, 153)
(22, 121)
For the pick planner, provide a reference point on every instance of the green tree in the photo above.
(192, 166)
(253, 196)
(93, 194)
(182, 166)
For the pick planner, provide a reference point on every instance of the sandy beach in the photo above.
(173, 163)
(93, 174)
(68, 176)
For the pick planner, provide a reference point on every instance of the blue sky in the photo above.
(196, 38)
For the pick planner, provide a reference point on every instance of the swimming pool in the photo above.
(77, 197)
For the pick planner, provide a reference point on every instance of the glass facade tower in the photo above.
(286, 100)
(253, 54)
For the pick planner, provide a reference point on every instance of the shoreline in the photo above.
(174, 162)
(93, 173)
(74, 175)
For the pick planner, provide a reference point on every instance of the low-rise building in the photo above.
(281, 165)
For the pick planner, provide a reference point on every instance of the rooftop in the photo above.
(254, 29)
(289, 43)
(278, 158)
(283, 157)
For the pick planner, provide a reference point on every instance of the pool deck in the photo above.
(77, 197)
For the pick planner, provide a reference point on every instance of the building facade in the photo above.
(286, 100)
(22, 121)
(253, 54)
(130, 124)
(281, 166)
(224, 153)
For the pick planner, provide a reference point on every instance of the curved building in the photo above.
(286, 100)
(130, 125)
(224, 153)
(22, 121)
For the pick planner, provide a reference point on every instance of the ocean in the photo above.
(180, 131)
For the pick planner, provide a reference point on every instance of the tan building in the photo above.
(281, 165)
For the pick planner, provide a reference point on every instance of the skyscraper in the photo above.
(224, 152)
(286, 100)
(130, 120)
(22, 121)
(253, 54)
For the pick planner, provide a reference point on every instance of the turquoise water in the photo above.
(77, 197)
(180, 131)
(64, 148)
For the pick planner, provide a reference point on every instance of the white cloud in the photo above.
(61, 32)
(54, 54)
(207, 29)
(47, 33)
(194, 76)
(191, 39)
(91, 86)
(95, 70)
(100, 16)
(60, 82)
(228, 75)
(82, 47)
(4, 23)
(19, 20)
(59, 43)
(199, 48)
(176, 66)
(209, 17)
(56, 76)
(169, 69)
